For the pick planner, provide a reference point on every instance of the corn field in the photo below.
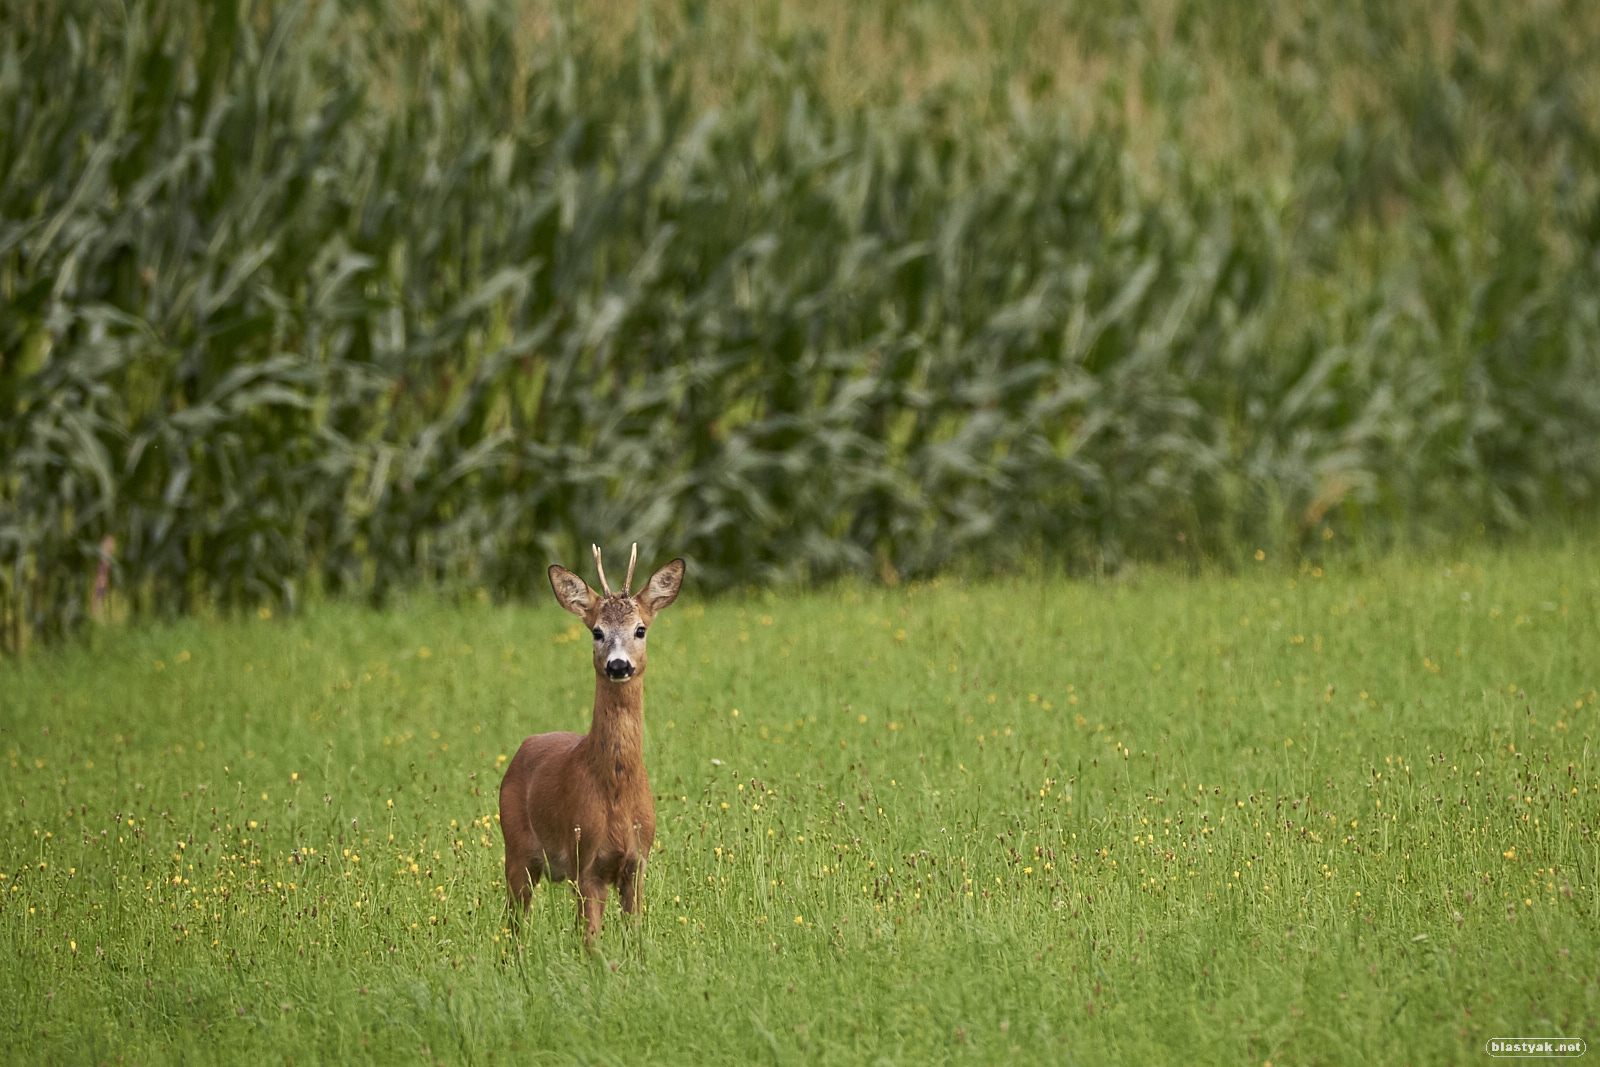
(340, 297)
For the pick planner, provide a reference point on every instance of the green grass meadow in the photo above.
(1280, 815)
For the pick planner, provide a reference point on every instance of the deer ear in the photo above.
(572, 592)
(662, 588)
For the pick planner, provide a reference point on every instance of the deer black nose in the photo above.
(618, 669)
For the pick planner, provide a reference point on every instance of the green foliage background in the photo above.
(332, 296)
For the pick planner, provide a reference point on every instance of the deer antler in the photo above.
(627, 586)
(601, 569)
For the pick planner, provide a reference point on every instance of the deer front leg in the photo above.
(592, 894)
(628, 885)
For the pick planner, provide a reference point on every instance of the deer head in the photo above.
(618, 621)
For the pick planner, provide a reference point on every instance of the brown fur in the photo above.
(579, 807)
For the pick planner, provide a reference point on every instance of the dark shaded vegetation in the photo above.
(334, 298)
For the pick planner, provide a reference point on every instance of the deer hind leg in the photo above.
(524, 867)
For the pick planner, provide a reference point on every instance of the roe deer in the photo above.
(579, 807)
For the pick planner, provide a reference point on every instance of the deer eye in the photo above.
(598, 636)
(639, 633)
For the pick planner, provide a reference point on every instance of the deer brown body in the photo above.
(577, 806)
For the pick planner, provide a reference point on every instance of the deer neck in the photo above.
(615, 744)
